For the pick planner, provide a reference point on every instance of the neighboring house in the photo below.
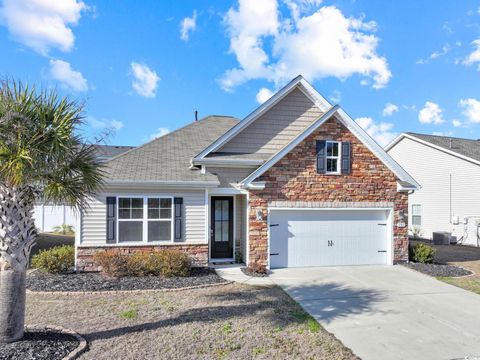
(449, 170)
(48, 216)
(295, 183)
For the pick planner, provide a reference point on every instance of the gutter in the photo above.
(173, 184)
(239, 162)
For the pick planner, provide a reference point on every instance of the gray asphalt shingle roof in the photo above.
(168, 158)
(105, 152)
(465, 147)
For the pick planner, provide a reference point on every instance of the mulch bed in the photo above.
(247, 272)
(40, 281)
(439, 269)
(39, 345)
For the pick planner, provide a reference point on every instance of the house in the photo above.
(295, 183)
(48, 216)
(449, 170)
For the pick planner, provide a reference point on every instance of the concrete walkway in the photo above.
(234, 273)
(388, 312)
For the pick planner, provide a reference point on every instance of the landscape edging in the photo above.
(82, 343)
(138, 291)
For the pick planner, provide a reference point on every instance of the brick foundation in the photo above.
(198, 254)
(295, 178)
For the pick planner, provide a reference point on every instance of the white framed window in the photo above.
(144, 219)
(332, 157)
(416, 215)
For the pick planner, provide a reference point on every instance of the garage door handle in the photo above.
(274, 254)
(272, 225)
(383, 251)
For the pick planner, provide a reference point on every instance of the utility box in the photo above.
(441, 238)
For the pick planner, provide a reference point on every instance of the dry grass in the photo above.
(227, 322)
(470, 283)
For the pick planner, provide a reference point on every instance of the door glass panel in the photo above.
(225, 226)
(218, 231)
(218, 210)
(225, 209)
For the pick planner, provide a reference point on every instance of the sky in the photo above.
(143, 67)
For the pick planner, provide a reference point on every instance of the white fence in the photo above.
(49, 216)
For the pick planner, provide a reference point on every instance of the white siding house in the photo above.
(449, 199)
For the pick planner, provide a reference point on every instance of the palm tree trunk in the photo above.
(17, 236)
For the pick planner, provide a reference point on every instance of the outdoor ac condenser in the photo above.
(441, 238)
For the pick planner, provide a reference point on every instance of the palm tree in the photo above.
(41, 156)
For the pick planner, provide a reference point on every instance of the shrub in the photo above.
(256, 268)
(59, 259)
(173, 263)
(416, 232)
(64, 229)
(423, 253)
(113, 263)
(166, 263)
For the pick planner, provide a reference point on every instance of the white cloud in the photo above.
(336, 96)
(42, 24)
(389, 109)
(263, 95)
(474, 57)
(431, 114)
(456, 123)
(145, 80)
(442, 133)
(471, 109)
(62, 71)
(105, 123)
(160, 132)
(188, 25)
(381, 132)
(321, 44)
(436, 54)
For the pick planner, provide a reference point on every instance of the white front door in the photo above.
(328, 237)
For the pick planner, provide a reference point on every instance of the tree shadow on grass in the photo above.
(271, 304)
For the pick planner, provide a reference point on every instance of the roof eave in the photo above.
(224, 162)
(166, 183)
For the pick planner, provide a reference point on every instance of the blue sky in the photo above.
(143, 67)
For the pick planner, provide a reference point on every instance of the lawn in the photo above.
(471, 283)
(227, 322)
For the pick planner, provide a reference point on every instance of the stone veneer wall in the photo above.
(295, 178)
(198, 254)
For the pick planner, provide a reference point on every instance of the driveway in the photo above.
(388, 312)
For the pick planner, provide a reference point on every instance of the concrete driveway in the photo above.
(388, 312)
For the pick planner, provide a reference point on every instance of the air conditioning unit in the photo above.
(441, 238)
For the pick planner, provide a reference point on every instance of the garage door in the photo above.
(328, 237)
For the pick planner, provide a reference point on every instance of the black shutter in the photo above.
(178, 202)
(346, 157)
(111, 219)
(321, 156)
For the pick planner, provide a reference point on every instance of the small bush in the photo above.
(64, 229)
(423, 253)
(416, 232)
(173, 263)
(166, 263)
(256, 268)
(113, 263)
(59, 259)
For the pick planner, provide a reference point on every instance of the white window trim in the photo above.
(421, 214)
(145, 221)
(338, 157)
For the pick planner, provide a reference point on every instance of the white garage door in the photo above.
(328, 237)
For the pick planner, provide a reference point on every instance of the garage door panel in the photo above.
(327, 238)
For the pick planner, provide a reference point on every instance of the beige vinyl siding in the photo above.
(432, 168)
(230, 176)
(278, 126)
(93, 221)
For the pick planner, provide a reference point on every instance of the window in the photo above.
(145, 219)
(333, 157)
(416, 215)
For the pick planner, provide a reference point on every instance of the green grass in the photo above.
(128, 314)
(468, 283)
(310, 323)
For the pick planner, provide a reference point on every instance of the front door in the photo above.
(221, 224)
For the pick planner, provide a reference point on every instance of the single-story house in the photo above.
(295, 183)
(449, 170)
(48, 216)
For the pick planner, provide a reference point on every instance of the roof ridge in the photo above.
(440, 136)
(162, 137)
